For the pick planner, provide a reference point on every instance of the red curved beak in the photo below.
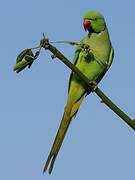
(86, 24)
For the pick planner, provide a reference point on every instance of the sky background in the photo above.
(98, 145)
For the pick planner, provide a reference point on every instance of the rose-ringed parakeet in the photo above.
(94, 64)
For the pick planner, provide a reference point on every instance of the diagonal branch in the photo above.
(44, 43)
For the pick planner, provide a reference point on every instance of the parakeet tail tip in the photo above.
(49, 163)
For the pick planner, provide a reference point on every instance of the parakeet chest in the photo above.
(99, 44)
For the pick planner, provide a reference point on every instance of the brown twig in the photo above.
(44, 43)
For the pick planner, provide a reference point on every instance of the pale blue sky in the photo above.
(99, 145)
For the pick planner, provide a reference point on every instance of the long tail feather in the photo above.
(70, 111)
(57, 143)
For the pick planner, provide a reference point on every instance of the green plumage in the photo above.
(94, 64)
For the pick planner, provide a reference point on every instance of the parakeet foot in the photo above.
(86, 48)
(92, 87)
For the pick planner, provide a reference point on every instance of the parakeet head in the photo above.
(93, 22)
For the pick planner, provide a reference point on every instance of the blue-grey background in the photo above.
(99, 145)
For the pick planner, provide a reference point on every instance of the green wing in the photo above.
(76, 56)
(110, 60)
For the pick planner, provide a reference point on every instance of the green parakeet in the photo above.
(94, 64)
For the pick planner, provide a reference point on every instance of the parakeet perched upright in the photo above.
(94, 64)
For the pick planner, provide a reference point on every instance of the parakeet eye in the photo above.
(94, 19)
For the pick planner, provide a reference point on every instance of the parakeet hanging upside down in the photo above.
(94, 64)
